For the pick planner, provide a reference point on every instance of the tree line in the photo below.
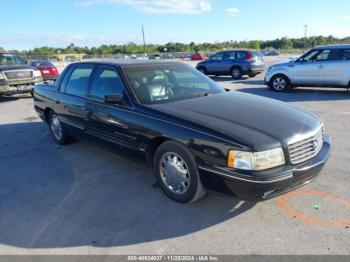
(132, 48)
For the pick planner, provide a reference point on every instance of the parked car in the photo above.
(235, 63)
(272, 53)
(198, 57)
(191, 131)
(16, 76)
(48, 71)
(327, 66)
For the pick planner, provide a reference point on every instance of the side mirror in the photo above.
(114, 98)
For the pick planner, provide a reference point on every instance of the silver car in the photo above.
(323, 66)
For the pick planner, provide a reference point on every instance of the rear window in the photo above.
(41, 63)
(79, 80)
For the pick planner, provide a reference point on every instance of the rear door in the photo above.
(70, 104)
(338, 68)
(116, 123)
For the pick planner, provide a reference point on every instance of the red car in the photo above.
(48, 71)
(199, 57)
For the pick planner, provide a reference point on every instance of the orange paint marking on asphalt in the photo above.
(307, 219)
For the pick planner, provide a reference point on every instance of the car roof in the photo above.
(333, 47)
(129, 63)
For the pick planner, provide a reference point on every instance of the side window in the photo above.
(241, 55)
(346, 55)
(310, 56)
(218, 56)
(231, 55)
(323, 55)
(106, 81)
(79, 80)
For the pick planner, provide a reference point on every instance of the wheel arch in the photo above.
(47, 113)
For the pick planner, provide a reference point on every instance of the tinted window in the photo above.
(346, 54)
(106, 82)
(231, 55)
(79, 80)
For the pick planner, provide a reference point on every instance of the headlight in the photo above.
(255, 160)
(1, 76)
(37, 73)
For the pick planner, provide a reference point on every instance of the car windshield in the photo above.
(169, 82)
(10, 59)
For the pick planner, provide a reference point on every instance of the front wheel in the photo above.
(177, 173)
(280, 83)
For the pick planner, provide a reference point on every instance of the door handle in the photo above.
(57, 102)
(321, 66)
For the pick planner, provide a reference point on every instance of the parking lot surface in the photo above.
(83, 199)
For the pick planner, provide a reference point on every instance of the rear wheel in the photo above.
(177, 173)
(58, 131)
(280, 83)
(236, 73)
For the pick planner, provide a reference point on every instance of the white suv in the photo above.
(323, 66)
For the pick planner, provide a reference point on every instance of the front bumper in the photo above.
(257, 186)
(18, 87)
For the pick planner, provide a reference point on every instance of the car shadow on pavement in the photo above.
(13, 98)
(81, 195)
(299, 95)
(244, 80)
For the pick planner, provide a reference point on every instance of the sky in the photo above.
(33, 23)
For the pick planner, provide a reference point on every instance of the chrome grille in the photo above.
(19, 75)
(303, 149)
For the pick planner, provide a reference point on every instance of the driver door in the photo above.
(311, 69)
(215, 64)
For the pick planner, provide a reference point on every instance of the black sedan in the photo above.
(195, 134)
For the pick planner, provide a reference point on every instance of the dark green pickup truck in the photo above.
(16, 76)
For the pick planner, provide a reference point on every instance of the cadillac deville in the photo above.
(196, 135)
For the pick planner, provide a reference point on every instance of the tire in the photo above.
(280, 83)
(236, 73)
(202, 70)
(58, 132)
(177, 173)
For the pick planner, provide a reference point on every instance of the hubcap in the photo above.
(56, 127)
(174, 173)
(235, 73)
(279, 84)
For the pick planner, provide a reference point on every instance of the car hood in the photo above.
(15, 67)
(284, 63)
(257, 122)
